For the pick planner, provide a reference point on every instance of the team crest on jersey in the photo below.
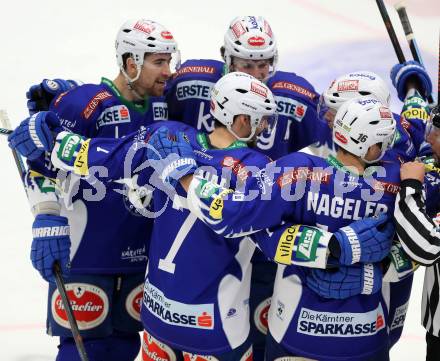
(89, 304)
(154, 350)
(261, 315)
(92, 105)
(134, 301)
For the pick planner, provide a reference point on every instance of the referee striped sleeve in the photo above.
(416, 231)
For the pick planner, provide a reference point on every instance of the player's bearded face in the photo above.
(155, 72)
(257, 68)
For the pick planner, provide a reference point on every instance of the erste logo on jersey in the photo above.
(89, 303)
(134, 301)
(114, 115)
(291, 108)
(160, 111)
(343, 324)
(194, 89)
(176, 313)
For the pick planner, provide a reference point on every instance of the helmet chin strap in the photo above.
(130, 81)
(247, 139)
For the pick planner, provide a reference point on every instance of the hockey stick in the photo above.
(6, 130)
(387, 21)
(404, 20)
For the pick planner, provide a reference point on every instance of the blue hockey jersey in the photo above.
(188, 97)
(307, 189)
(102, 219)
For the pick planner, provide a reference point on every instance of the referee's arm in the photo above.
(417, 232)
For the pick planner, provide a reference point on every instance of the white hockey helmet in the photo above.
(362, 122)
(353, 85)
(251, 38)
(239, 93)
(138, 37)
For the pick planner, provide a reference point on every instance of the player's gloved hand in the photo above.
(51, 242)
(401, 73)
(346, 281)
(366, 240)
(171, 155)
(399, 266)
(34, 135)
(41, 95)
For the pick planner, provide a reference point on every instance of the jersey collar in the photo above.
(204, 142)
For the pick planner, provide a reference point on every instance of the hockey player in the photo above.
(300, 323)
(105, 291)
(250, 46)
(195, 295)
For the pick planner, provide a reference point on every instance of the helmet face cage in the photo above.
(363, 122)
(138, 37)
(239, 93)
(251, 38)
(353, 85)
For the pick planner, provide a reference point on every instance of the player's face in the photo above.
(257, 68)
(155, 72)
(433, 138)
(374, 152)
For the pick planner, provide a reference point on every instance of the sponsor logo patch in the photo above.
(80, 166)
(166, 35)
(256, 41)
(134, 301)
(68, 147)
(237, 167)
(344, 324)
(198, 69)
(89, 303)
(114, 115)
(387, 187)
(284, 249)
(341, 138)
(194, 89)
(348, 85)
(238, 29)
(94, 102)
(261, 315)
(416, 113)
(259, 89)
(144, 27)
(291, 108)
(385, 113)
(155, 350)
(399, 316)
(295, 88)
(296, 174)
(176, 313)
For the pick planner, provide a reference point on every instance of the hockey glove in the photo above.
(51, 242)
(171, 155)
(41, 95)
(346, 281)
(366, 240)
(399, 266)
(401, 73)
(34, 135)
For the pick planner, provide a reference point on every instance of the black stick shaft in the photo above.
(389, 26)
(4, 122)
(407, 28)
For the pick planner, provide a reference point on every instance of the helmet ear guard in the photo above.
(239, 93)
(362, 122)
